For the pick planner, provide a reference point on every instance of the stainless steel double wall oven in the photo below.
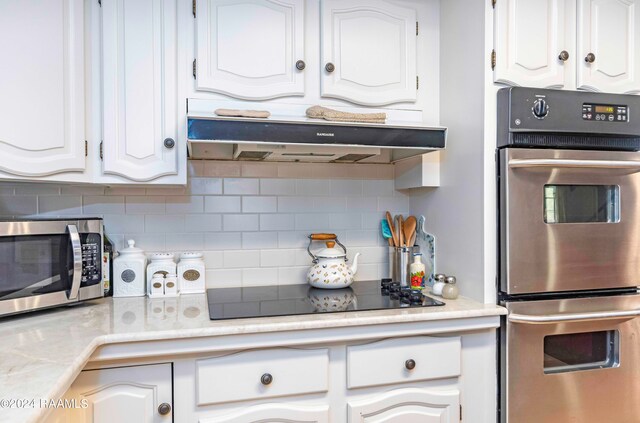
(569, 256)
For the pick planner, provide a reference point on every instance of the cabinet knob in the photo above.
(410, 364)
(169, 142)
(329, 67)
(590, 58)
(563, 56)
(300, 65)
(266, 379)
(164, 408)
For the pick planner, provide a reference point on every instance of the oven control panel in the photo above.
(605, 112)
(91, 259)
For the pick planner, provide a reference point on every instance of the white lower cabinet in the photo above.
(415, 405)
(275, 412)
(137, 394)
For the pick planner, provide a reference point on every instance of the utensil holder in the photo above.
(399, 262)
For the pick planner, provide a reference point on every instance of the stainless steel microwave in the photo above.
(48, 263)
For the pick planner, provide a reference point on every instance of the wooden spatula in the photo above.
(401, 230)
(394, 235)
(409, 230)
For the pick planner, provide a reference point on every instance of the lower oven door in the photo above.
(572, 360)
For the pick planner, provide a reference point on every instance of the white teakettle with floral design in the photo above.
(330, 270)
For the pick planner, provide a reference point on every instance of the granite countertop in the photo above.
(42, 353)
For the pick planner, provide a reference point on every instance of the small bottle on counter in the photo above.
(416, 271)
(450, 290)
(156, 285)
(171, 285)
(438, 285)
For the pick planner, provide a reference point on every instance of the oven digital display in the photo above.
(605, 112)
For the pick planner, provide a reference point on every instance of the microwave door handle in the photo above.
(594, 164)
(76, 246)
(572, 317)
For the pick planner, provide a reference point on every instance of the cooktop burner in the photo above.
(288, 300)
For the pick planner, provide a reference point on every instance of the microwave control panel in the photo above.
(605, 112)
(91, 259)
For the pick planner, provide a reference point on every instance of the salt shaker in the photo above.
(438, 285)
(171, 285)
(156, 285)
(450, 290)
(129, 272)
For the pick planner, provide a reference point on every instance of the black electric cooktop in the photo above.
(289, 300)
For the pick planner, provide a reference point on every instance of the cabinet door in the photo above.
(368, 52)
(249, 48)
(139, 88)
(407, 406)
(123, 395)
(610, 31)
(42, 87)
(274, 413)
(529, 37)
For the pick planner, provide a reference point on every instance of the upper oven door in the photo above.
(569, 220)
(572, 360)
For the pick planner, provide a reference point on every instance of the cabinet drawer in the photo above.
(390, 361)
(239, 377)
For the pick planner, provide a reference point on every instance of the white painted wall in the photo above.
(251, 219)
(455, 211)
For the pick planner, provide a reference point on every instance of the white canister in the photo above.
(161, 263)
(129, 272)
(191, 272)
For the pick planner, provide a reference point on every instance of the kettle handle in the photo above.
(323, 237)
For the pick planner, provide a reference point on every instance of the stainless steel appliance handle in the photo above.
(76, 246)
(602, 164)
(572, 317)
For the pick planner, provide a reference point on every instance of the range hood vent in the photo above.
(308, 140)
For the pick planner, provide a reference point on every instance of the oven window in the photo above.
(34, 264)
(581, 351)
(581, 203)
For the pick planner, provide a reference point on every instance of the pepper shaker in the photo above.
(450, 290)
(438, 285)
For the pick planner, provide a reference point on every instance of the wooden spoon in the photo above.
(394, 236)
(409, 230)
(401, 230)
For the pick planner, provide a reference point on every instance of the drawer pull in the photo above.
(164, 409)
(410, 364)
(266, 379)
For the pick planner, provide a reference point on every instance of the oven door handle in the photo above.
(597, 164)
(572, 317)
(76, 246)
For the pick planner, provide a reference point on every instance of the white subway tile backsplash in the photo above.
(241, 186)
(164, 223)
(222, 204)
(277, 222)
(259, 204)
(259, 277)
(205, 186)
(145, 204)
(367, 272)
(203, 223)
(223, 241)
(241, 259)
(37, 189)
(277, 186)
(102, 204)
(240, 222)
(185, 204)
(251, 220)
(60, 206)
(259, 240)
(223, 278)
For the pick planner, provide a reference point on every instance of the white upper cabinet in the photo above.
(529, 40)
(608, 45)
(42, 129)
(251, 49)
(368, 52)
(140, 117)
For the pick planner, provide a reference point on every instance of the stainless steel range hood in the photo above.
(289, 139)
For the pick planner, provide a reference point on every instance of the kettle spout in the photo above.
(354, 266)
